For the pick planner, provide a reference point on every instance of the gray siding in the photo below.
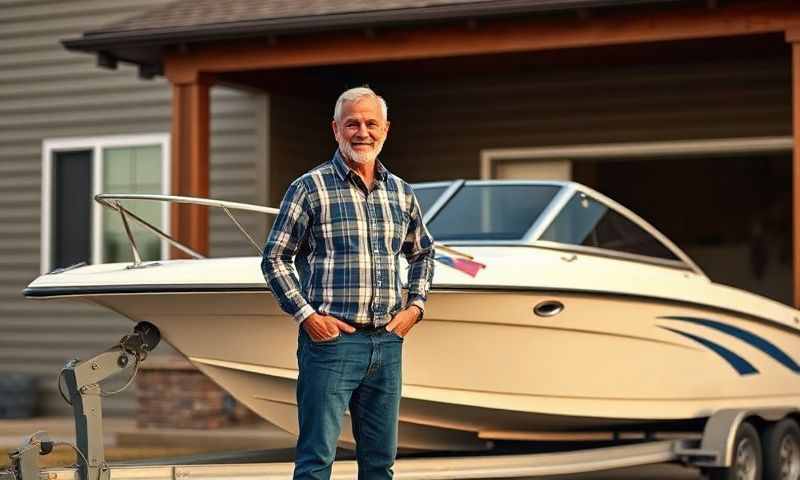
(48, 92)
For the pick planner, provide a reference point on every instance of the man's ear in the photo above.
(335, 129)
(387, 126)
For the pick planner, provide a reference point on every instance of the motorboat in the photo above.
(581, 317)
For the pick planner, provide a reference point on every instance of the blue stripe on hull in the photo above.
(742, 366)
(750, 338)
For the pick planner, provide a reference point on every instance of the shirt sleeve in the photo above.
(418, 250)
(284, 241)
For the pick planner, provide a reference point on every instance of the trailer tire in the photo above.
(747, 459)
(781, 447)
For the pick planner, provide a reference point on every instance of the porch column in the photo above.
(190, 169)
(793, 36)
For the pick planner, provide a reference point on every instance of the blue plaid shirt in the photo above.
(334, 247)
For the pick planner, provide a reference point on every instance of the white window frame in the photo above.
(96, 145)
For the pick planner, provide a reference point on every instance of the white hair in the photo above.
(355, 94)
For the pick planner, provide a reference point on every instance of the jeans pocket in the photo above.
(333, 339)
(395, 334)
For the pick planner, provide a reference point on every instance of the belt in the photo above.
(367, 327)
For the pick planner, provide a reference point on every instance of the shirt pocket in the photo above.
(401, 219)
(337, 232)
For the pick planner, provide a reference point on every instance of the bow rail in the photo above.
(112, 201)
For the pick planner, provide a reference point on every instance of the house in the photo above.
(680, 110)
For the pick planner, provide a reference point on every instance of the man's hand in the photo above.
(402, 323)
(324, 327)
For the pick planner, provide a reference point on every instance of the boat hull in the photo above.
(483, 366)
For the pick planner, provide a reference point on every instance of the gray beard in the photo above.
(359, 158)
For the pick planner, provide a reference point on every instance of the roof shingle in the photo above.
(192, 13)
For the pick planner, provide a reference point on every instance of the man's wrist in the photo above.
(420, 312)
(301, 315)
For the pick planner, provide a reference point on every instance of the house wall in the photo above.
(446, 124)
(48, 92)
(300, 138)
(440, 124)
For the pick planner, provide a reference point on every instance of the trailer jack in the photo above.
(83, 391)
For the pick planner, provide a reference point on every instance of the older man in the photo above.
(341, 228)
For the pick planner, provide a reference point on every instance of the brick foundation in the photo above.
(171, 393)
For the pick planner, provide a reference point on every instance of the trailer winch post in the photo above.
(82, 379)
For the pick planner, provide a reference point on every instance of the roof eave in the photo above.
(114, 42)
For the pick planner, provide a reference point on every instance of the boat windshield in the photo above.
(586, 222)
(427, 195)
(491, 211)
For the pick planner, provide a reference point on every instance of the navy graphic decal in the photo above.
(742, 366)
(750, 338)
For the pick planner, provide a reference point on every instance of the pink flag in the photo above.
(470, 267)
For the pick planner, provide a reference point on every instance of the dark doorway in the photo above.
(731, 215)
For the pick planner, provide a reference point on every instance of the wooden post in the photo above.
(793, 36)
(190, 165)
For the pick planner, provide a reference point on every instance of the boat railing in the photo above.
(113, 202)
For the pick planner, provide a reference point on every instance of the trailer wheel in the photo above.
(747, 463)
(781, 445)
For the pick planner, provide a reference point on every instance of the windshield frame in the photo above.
(457, 185)
(547, 217)
(443, 198)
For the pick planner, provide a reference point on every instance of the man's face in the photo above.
(361, 130)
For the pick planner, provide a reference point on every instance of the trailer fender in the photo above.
(716, 447)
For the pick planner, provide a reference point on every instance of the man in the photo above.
(331, 260)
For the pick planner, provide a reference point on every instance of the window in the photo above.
(74, 227)
(491, 212)
(587, 222)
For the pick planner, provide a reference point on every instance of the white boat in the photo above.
(584, 319)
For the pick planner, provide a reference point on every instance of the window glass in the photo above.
(72, 208)
(426, 196)
(491, 212)
(585, 221)
(132, 170)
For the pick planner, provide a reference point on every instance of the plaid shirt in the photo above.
(334, 248)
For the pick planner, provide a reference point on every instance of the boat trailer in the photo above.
(721, 452)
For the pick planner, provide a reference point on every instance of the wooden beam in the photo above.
(190, 162)
(489, 37)
(796, 164)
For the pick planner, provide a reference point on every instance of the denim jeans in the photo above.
(360, 371)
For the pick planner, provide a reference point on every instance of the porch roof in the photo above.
(144, 38)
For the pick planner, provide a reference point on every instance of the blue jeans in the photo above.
(360, 371)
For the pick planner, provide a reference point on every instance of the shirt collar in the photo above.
(343, 169)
